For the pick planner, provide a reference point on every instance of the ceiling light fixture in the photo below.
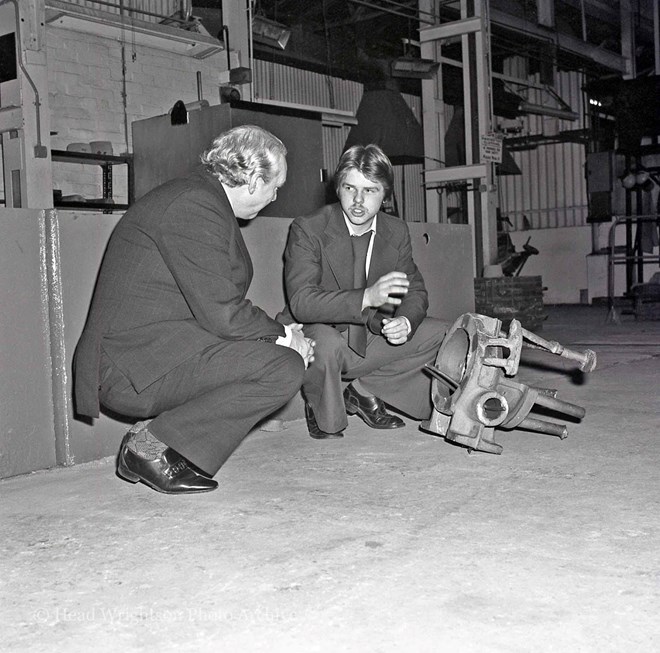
(413, 67)
(268, 32)
(125, 28)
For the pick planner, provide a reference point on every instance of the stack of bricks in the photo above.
(508, 298)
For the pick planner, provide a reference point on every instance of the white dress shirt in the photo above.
(372, 229)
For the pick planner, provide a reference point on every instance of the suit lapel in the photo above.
(383, 255)
(338, 249)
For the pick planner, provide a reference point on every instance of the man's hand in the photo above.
(387, 290)
(304, 346)
(395, 330)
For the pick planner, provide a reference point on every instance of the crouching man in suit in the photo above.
(351, 280)
(171, 338)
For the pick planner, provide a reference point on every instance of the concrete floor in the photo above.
(380, 542)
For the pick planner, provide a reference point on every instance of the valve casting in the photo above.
(473, 389)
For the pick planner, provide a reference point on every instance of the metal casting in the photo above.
(473, 388)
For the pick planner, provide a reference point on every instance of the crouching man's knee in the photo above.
(289, 371)
(329, 343)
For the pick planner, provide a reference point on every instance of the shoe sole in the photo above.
(327, 436)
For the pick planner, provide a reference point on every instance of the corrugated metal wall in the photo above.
(334, 139)
(276, 82)
(408, 188)
(280, 83)
(308, 89)
(551, 192)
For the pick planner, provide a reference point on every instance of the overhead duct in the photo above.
(385, 119)
(544, 110)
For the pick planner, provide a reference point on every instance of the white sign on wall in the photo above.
(491, 147)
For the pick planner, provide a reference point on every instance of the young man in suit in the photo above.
(171, 338)
(351, 280)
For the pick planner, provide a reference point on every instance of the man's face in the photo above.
(261, 194)
(360, 199)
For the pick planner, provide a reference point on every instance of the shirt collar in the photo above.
(351, 228)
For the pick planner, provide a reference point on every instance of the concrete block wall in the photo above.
(571, 273)
(27, 439)
(86, 97)
(51, 260)
(81, 245)
(561, 261)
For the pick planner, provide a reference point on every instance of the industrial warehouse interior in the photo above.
(523, 514)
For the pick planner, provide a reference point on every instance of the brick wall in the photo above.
(86, 87)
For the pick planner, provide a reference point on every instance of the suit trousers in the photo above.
(206, 406)
(391, 372)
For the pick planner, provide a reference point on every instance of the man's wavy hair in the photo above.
(371, 161)
(242, 154)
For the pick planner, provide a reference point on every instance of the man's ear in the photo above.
(252, 184)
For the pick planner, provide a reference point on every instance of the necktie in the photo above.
(357, 333)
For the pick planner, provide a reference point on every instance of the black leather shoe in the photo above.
(313, 428)
(169, 473)
(371, 410)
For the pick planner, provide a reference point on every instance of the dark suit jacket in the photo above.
(319, 271)
(172, 282)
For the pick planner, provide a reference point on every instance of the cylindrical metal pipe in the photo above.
(561, 406)
(587, 358)
(441, 376)
(550, 392)
(541, 426)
